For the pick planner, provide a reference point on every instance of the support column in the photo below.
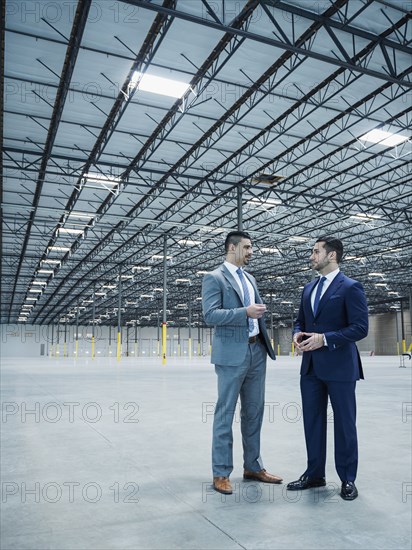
(239, 209)
(119, 318)
(93, 319)
(76, 351)
(52, 342)
(65, 340)
(403, 329)
(164, 323)
(190, 324)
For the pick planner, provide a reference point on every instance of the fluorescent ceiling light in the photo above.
(270, 250)
(384, 138)
(182, 281)
(109, 286)
(160, 257)
(189, 242)
(380, 284)
(286, 302)
(360, 216)
(54, 262)
(150, 296)
(45, 271)
(100, 293)
(299, 239)
(43, 283)
(201, 272)
(67, 230)
(158, 289)
(158, 85)
(59, 248)
(376, 274)
(35, 290)
(31, 299)
(96, 177)
(264, 203)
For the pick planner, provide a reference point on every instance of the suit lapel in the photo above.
(229, 277)
(335, 284)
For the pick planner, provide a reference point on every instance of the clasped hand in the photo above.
(255, 311)
(308, 341)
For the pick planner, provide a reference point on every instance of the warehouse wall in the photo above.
(20, 340)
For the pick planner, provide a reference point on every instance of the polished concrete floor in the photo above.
(107, 455)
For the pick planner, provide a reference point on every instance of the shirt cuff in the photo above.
(325, 342)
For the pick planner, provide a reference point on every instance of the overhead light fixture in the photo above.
(43, 283)
(160, 257)
(69, 231)
(286, 302)
(268, 179)
(158, 85)
(149, 296)
(182, 280)
(201, 272)
(381, 284)
(299, 239)
(49, 261)
(100, 293)
(384, 138)
(55, 248)
(376, 274)
(97, 177)
(31, 299)
(270, 250)
(35, 290)
(158, 289)
(189, 242)
(367, 217)
(264, 203)
(45, 271)
(109, 286)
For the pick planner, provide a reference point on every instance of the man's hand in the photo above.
(308, 341)
(255, 311)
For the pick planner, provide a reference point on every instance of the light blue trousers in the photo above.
(248, 382)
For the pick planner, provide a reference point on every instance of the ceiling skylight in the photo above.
(384, 138)
(158, 85)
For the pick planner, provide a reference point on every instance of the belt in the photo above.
(254, 339)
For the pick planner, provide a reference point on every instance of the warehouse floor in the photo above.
(117, 455)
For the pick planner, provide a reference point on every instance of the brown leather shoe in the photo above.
(222, 485)
(263, 476)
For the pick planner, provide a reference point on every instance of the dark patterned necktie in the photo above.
(317, 295)
(246, 296)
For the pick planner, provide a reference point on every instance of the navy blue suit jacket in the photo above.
(342, 316)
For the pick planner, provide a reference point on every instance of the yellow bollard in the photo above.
(278, 349)
(190, 348)
(163, 343)
(92, 347)
(119, 345)
(403, 346)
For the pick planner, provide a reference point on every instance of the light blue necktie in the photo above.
(246, 296)
(317, 295)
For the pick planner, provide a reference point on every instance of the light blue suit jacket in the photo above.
(342, 316)
(223, 308)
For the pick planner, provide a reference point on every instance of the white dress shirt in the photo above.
(232, 268)
(328, 279)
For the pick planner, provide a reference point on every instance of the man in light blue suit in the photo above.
(333, 315)
(232, 304)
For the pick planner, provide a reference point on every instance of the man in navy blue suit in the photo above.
(333, 315)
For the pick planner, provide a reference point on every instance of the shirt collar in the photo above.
(232, 268)
(330, 276)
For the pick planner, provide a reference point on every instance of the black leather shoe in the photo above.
(305, 482)
(349, 490)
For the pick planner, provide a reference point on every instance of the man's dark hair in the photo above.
(332, 244)
(234, 237)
